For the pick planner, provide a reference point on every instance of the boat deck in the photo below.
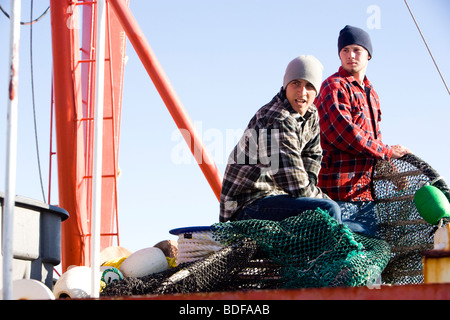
(383, 292)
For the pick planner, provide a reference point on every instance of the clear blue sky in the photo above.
(225, 60)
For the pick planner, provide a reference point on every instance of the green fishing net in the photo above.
(312, 249)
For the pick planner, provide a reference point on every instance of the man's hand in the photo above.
(399, 151)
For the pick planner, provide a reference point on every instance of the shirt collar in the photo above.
(345, 74)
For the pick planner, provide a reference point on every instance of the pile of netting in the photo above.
(305, 251)
(311, 250)
(400, 224)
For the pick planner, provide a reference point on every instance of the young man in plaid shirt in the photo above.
(272, 172)
(349, 112)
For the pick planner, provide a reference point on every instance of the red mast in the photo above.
(74, 87)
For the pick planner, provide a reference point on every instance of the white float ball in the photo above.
(74, 283)
(30, 289)
(144, 262)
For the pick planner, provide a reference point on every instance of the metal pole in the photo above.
(98, 148)
(11, 149)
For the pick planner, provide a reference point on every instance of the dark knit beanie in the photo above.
(353, 35)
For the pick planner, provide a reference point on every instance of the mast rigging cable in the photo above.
(428, 48)
(34, 104)
(29, 22)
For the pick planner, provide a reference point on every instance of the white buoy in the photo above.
(75, 283)
(30, 289)
(144, 262)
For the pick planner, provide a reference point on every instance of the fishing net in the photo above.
(395, 182)
(211, 273)
(308, 250)
(312, 250)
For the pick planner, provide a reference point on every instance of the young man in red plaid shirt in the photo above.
(349, 112)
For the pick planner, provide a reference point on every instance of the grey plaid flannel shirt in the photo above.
(279, 153)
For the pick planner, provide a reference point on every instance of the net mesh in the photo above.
(400, 224)
(312, 249)
(214, 272)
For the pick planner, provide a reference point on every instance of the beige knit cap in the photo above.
(304, 67)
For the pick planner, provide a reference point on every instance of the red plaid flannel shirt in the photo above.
(350, 137)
